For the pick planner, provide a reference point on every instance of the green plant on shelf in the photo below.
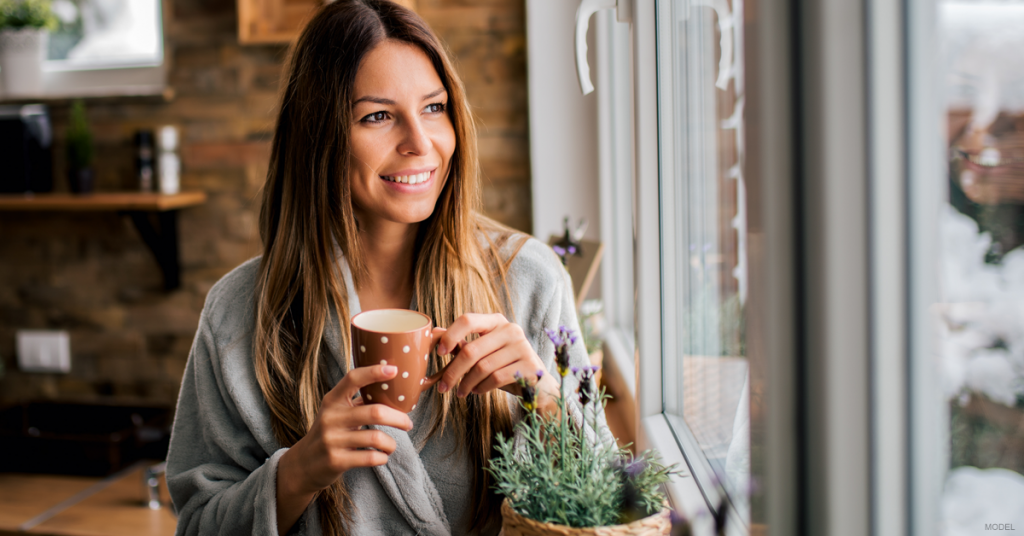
(22, 14)
(79, 138)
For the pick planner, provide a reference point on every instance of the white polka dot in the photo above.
(384, 340)
(401, 398)
(405, 349)
(383, 361)
(369, 396)
(414, 406)
(405, 374)
(384, 386)
(362, 348)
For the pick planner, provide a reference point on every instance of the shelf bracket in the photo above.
(162, 241)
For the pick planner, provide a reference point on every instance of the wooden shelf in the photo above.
(161, 236)
(101, 202)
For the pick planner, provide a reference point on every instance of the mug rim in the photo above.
(426, 318)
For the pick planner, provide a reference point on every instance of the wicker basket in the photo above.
(514, 524)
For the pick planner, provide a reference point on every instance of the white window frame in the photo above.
(64, 80)
(614, 84)
(843, 162)
(655, 431)
(840, 167)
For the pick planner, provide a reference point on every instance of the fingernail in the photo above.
(442, 350)
(390, 369)
(442, 387)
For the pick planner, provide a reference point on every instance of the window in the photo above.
(878, 201)
(105, 48)
(105, 33)
(981, 289)
(670, 94)
(703, 240)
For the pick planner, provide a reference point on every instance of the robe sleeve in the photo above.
(221, 479)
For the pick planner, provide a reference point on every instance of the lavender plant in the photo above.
(558, 470)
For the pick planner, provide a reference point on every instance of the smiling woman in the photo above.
(402, 134)
(371, 201)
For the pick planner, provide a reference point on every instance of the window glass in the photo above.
(981, 314)
(106, 33)
(703, 234)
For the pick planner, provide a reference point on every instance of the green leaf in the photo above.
(20, 14)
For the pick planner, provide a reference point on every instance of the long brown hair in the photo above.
(307, 217)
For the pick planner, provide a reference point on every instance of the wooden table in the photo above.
(81, 506)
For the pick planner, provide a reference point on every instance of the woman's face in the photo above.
(402, 137)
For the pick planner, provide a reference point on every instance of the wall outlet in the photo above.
(44, 351)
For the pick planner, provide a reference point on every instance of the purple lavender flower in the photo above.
(586, 388)
(629, 469)
(529, 393)
(563, 338)
(567, 245)
(680, 525)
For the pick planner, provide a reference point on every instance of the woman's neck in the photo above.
(387, 249)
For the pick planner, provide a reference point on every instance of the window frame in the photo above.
(836, 153)
(655, 430)
(63, 80)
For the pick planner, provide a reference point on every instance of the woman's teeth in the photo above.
(410, 179)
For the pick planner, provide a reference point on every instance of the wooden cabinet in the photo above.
(278, 21)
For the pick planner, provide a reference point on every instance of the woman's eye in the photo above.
(376, 117)
(435, 108)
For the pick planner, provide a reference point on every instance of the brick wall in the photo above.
(90, 273)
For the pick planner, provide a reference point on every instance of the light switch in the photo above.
(44, 351)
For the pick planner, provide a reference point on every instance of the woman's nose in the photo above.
(416, 141)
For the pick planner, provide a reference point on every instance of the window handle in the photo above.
(583, 12)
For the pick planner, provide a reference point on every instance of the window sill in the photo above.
(121, 82)
(684, 494)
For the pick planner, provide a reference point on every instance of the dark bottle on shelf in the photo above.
(145, 170)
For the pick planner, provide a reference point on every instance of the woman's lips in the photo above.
(410, 181)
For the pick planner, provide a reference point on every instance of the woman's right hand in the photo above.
(337, 442)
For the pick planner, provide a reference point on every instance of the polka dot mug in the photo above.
(398, 337)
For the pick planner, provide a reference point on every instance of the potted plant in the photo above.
(24, 37)
(80, 150)
(558, 477)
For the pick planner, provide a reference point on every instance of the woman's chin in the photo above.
(408, 215)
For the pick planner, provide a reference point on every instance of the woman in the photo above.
(370, 202)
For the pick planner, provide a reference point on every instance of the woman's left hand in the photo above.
(492, 360)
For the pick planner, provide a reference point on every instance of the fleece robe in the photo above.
(223, 458)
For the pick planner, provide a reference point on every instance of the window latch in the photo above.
(623, 13)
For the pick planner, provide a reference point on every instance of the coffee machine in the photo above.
(26, 141)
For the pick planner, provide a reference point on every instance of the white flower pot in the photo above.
(22, 53)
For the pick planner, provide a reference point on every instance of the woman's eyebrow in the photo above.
(389, 102)
(434, 93)
(377, 100)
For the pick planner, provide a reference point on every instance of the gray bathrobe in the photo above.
(222, 463)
